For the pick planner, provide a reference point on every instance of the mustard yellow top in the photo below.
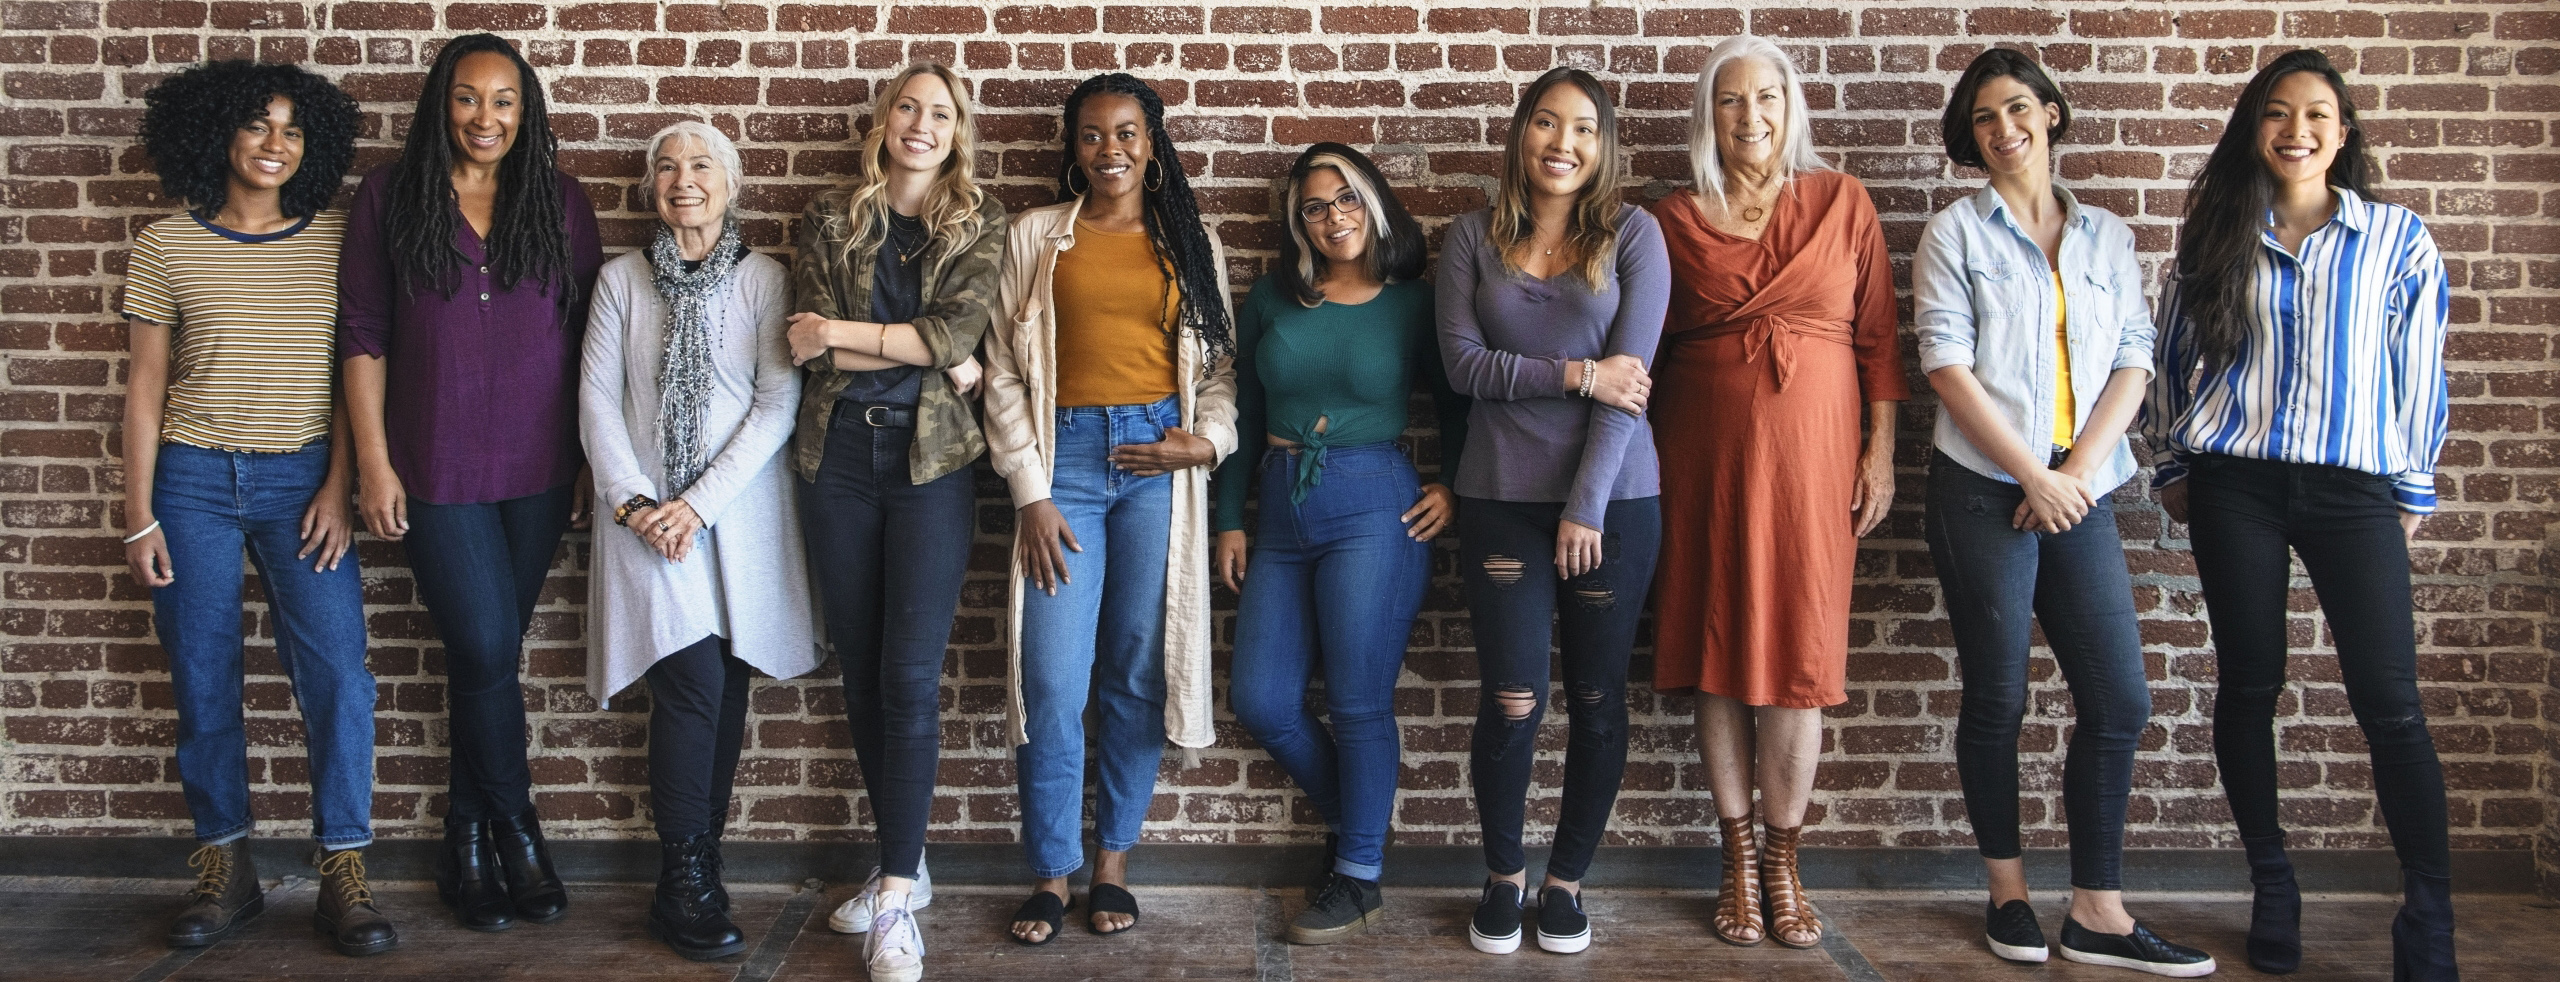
(2065, 414)
(1114, 305)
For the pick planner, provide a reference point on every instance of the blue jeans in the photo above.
(1102, 635)
(212, 504)
(2073, 583)
(1334, 573)
(479, 569)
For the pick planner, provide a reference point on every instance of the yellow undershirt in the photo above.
(1113, 306)
(2065, 415)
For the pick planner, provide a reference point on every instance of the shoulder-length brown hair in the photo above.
(1592, 238)
(858, 213)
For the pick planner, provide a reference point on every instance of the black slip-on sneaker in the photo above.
(1562, 926)
(1495, 930)
(2012, 932)
(2141, 951)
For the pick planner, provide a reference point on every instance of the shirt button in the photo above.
(484, 269)
(484, 297)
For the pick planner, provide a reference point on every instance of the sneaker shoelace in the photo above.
(348, 866)
(213, 871)
(895, 930)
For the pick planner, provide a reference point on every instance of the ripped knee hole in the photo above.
(1516, 701)
(1504, 570)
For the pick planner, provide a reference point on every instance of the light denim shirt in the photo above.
(1982, 297)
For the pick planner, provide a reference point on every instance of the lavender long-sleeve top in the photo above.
(481, 399)
(1507, 338)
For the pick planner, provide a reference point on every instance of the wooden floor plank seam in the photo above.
(767, 959)
(1271, 960)
(1845, 954)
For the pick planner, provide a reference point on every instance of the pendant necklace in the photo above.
(1753, 213)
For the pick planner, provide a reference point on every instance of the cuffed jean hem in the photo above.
(226, 838)
(1358, 871)
(344, 845)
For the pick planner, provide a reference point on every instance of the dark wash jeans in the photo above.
(890, 556)
(1506, 556)
(1332, 588)
(479, 570)
(697, 726)
(2244, 515)
(2074, 583)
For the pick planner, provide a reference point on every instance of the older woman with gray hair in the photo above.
(1778, 352)
(687, 401)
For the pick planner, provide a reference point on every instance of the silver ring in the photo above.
(662, 526)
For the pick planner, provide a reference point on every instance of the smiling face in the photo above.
(1560, 145)
(483, 107)
(1751, 113)
(920, 124)
(266, 151)
(2302, 129)
(1340, 232)
(2009, 126)
(1112, 144)
(689, 185)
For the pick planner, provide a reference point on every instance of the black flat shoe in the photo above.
(2141, 951)
(2012, 932)
(1107, 898)
(1562, 926)
(1495, 930)
(1044, 907)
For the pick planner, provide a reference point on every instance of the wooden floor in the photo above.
(93, 930)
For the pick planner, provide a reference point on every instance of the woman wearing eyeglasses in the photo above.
(1329, 348)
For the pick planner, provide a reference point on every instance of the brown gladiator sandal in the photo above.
(1791, 916)
(1737, 919)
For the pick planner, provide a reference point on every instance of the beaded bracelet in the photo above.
(1590, 377)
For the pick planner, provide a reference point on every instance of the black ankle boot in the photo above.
(526, 861)
(468, 879)
(719, 870)
(686, 912)
(2422, 935)
(2275, 917)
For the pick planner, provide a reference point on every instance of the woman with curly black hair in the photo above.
(1111, 393)
(468, 264)
(233, 440)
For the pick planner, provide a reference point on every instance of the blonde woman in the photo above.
(892, 280)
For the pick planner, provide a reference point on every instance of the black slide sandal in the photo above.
(1044, 907)
(1106, 898)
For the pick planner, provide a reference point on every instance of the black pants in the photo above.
(697, 723)
(1999, 581)
(1506, 556)
(479, 570)
(890, 556)
(2345, 526)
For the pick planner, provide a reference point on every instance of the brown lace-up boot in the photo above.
(226, 895)
(346, 912)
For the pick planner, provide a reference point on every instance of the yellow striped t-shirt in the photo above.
(255, 329)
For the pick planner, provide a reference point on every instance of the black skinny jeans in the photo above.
(1506, 556)
(479, 570)
(697, 724)
(1999, 581)
(890, 557)
(2344, 524)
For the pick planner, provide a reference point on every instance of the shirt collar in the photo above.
(1988, 204)
(2351, 209)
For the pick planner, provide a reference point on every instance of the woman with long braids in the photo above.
(2297, 412)
(463, 298)
(1111, 393)
(1550, 304)
(892, 279)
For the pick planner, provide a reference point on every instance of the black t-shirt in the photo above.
(897, 296)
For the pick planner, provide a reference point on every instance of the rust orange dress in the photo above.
(1770, 354)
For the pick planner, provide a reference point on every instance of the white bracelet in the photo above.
(146, 530)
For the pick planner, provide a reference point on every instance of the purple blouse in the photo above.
(481, 400)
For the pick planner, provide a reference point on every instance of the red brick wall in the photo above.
(2460, 99)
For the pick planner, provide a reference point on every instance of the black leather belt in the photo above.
(889, 417)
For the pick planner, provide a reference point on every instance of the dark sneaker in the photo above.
(1347, 906)
(2141, 951)
(1496, 927)
(2012, 932)
(1562, 927)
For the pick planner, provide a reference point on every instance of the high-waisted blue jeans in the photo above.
(1335, 574)
(1101, 636)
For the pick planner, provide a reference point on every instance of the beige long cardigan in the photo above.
(1021, 425)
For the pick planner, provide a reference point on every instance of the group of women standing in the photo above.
(787, 450)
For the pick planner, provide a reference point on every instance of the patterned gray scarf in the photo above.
(684, 368)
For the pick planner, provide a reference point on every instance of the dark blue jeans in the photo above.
(479, 570)
(212, 504)
(890, 557)
(1521, 612)
(1999, 582)
(1337, 574)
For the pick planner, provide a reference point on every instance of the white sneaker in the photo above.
(854, 916)
(894, 951)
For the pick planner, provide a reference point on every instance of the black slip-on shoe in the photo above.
(2141, 951)
(2011, 931)
(1562, 926)
(1495, 930)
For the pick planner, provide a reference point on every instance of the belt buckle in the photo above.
(872, 415)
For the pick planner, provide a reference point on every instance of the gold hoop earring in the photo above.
(1156, 177)
(1074, 172)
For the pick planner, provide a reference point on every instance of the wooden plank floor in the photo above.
(108, 931)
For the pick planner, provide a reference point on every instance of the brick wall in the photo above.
(2461, 103)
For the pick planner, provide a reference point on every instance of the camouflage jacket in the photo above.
(959, 290)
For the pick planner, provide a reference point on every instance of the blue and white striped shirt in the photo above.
(2343, 363)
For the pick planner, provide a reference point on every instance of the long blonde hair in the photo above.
(1592, 238)
(858, 213)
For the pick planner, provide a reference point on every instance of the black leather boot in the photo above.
(2275, 916)
(719, 870)
(2422, 934)
(468, 879)
(526, 861)
(346, 912)
(686, 912)
(226, 895)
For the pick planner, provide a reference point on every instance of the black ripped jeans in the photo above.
(2344, 524)
(1506, 555)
